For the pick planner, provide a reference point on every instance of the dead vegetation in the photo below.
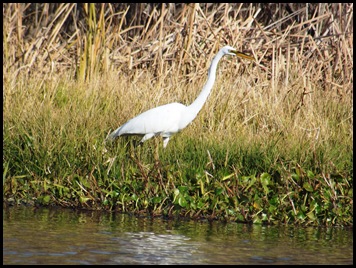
(74, 72)
(88, 39)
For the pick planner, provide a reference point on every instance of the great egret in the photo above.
(168, 119)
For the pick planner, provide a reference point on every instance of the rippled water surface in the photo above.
(64, 236)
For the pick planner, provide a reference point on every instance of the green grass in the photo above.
(249, 158)
(273, 143)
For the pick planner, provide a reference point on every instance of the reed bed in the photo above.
(273, 143)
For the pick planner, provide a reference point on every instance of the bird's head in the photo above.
(227, 50)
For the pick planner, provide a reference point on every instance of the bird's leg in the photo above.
(137, 143)
(146, 137)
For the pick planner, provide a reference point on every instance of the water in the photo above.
(64, 236)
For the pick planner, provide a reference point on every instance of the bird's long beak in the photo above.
(242, 55)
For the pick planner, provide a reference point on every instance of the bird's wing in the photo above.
(162, 119)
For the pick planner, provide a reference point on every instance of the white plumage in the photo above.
(165, 120)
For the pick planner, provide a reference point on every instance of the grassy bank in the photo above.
(249, 162)
(273, 143)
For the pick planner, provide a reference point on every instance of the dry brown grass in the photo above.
(135, 57)
(74, 72)
(181, 39)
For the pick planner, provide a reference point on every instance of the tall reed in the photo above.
(272, 144)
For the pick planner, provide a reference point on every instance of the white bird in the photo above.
(168, 119)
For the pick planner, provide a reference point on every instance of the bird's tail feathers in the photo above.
(112, 135)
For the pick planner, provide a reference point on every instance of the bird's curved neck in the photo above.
(196, 106)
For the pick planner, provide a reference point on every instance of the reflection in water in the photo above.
(64, 236)
(151, 248)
